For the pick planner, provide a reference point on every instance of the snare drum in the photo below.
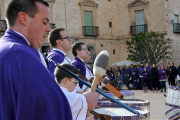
(116, 112)
(130, 102)
(173, 97)
(173, 113)
(126, 94)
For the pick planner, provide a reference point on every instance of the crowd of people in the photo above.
(144, 77)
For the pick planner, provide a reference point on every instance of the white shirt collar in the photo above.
(23, 37)
(59, 50)
(64, 89)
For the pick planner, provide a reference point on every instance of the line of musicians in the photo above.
(28, 90)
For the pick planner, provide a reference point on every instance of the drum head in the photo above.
(116, 112)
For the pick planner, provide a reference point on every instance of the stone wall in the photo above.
(68, 14)
(172, 7)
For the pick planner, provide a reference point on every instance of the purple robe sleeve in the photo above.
(27, 90)
(79, 65)
(57, 58)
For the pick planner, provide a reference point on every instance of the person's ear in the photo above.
(23, 18)
(77, 51)
(65, 80)
(58, 42)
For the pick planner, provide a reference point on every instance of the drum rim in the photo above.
(100, 102)
(169, 110)
(136, 117)
(172, 105)
(174, 87)
(175, 116)
(118, 106)
(125, 93)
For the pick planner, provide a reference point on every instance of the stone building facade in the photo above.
(107, 24)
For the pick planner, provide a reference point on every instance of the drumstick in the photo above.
(89, 85)
(111, 87)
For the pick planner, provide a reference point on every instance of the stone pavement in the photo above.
(157, 103)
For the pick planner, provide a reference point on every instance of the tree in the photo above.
(149, 47)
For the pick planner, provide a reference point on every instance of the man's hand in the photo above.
(91, 99)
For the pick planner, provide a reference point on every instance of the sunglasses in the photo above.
(84, 49)
(75, 82)
(67, 37)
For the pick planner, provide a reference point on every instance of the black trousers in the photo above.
(155, 82)
(145, 82)
(172, 80)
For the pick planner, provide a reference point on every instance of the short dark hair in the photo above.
(55, 35)
(60, 74)
(27, 6)
(77, 46)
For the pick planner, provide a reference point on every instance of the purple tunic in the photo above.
(162, 74)
(27, 90)
(57, 56)
(145, 76)
(80, 65)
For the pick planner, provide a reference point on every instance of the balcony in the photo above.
(176, 28)
(52, 25)
(3, 26)
(138, 29)
(90, 31)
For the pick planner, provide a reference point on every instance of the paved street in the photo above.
(157, 103)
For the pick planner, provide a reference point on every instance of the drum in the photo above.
(116, 112)
(126, 94)
(130, 102)
(173, 97)
(173, 113)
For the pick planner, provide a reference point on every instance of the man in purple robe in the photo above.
(80, 53)
(27, 90)
(61, 44)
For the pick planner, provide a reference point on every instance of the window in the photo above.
(88, 23)
(176, 25)
(139, 21)
(176, 18)
(101, 45)
(109, 0)
(114, 52)
(110, 24)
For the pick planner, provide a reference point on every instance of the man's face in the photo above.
(162, 66)
(66, 43)
(171, 64)
(146, 65)
(38, 27)
(83, 53)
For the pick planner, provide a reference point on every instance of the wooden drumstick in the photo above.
(99, 68)
(111, 87)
